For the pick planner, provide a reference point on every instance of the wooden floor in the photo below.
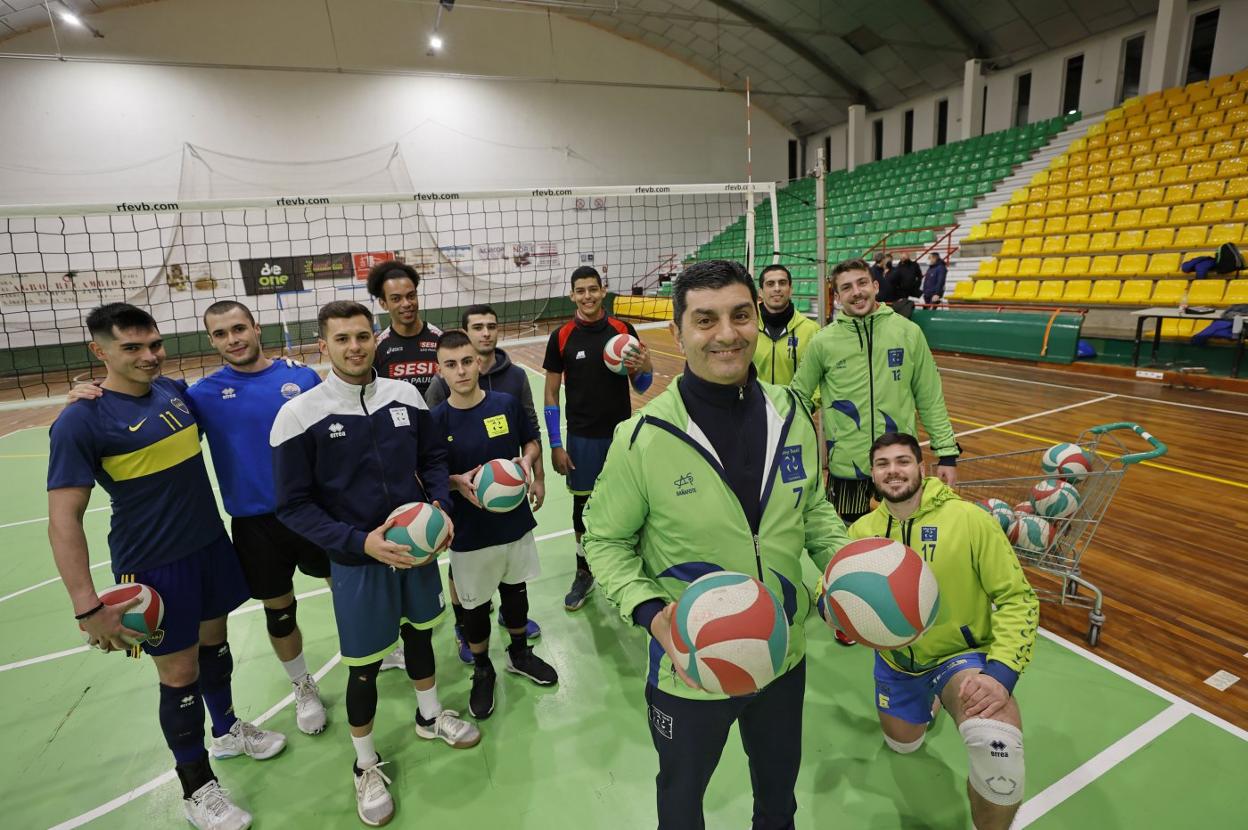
(1172, 552)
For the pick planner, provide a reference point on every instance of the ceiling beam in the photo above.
(857, 94)
(971, 46)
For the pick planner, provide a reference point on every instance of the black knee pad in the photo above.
(281, 621)
(477, 623)
(362, 693)
(216, 665)
(417, 651)
(514, 604)
(578, 513)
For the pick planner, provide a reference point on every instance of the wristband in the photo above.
(552, 427)
(643, 380)
(85, 614)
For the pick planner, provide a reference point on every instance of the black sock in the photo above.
(194, 774)
(482, 659)
(182, 721)
(355, 767)
(518, 643)
(458, 611)
(582, 564)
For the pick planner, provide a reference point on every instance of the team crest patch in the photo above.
(179, 405)
(928, 533)
(895, 357)
(496, 425)
(791, 468)
(290, 390)
(399, 415)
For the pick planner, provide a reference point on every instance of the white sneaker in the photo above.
(372, 798)
(210, 808)
(394, 660)
(246, 739)
(309, 711)
(450, 727)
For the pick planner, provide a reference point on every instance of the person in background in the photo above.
(934, 279)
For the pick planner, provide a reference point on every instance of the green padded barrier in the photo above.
(1014, 334)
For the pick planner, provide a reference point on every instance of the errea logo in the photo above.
(336, 430)
(227, 394)
(580, 355)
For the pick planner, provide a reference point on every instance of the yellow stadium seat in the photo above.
(1230, 168)
(1055, 190)
(1144, 161)
(1078, 266)
(1161, 265)
(1003, 290)
(1157, 115)
(978, 231)
(1100, 203)
(981, 289)
(1236, 188)
(987, 268)
(1178, 111)
(1169, 158)
(1172, 328)
(1117, 138)
(1102, 241)
(1007, 267)
(1129, 240)
(1096, 129)
(1033, 227)
(1184, 215)
(1241, 211)
(1055, 225)
(1011, 247)
(1202, 170)
(1189, 238)
(962, 291)
(999, 213)
(1213, 212)
(1123, 182)
(1076, 204)
(1149, 196)
(1053, 245)
(1078, 145)
(1105, 291)
(1035, 210)
(1165, 142)
(1230, 99)
(1204, 106)
(1136, 133)
(1194, 154)
(1016, 211)
(1206, 292)
(1078, 243)
(1118, 167)
(1147, 178)
(1032, 245)
(1052, 266)
(1159, 238)
(1059, 162)
(1124, 200)
(1221, 234)
(1127, 219)
(1190, 139)
(1097, 158)
(1236, 115)
(1027, 290)
(1240, 129)
(1096, 142)
(1050, 290)
(1077, 223)
(1097, 184)
(1184, 124)
(1135, 292)
(996, 230)
(1132, 264)
(1154, 217)
(1215, 134)
(1076, 188)
(1213, 119)
(1014, 228)
(1041, 177)
(1236, 292)
(1168, 292)
(1101, 266)
(1174, 175)
(1029, 267)
(1225, 149)
(1208, 191)
(1197, 91)
(1077, 291)
(1055, 207)
(1161, 126)
(1019, 195)
(1101, 221)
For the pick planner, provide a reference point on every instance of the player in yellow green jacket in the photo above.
(982, 637)
(719, 472)
(785, 332)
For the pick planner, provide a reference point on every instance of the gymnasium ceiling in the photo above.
(807, 60)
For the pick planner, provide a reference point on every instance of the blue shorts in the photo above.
(909, 696)
(372, 601)
(589, 455)
(203, 585)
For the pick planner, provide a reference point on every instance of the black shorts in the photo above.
(269, 552)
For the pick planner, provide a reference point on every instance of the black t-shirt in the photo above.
(597, 398)
(411, 359)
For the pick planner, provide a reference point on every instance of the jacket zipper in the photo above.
(372, 438)
(870, 374)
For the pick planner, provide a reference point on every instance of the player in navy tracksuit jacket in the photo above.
(345, 454)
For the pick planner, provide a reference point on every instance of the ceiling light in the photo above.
(69, 17)
(435, 42)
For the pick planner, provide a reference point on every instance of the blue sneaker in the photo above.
(531, 629)
(465, 653)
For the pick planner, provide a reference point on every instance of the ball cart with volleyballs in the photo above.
(1061, 493)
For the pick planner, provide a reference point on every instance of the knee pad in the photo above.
(362, 693)
(280, 621)
(476, 624)
(417, 651)
(514, 604)
(578, 513)
(995, 752)
(904, 748)
(216, 664)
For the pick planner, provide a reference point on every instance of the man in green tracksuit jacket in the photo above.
(786, 331)
(719, 472)
(873, 369)
(980, 642)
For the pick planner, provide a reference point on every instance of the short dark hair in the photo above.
(585, 272)
(225, 307)
(453, 339)
(121, 316)
(479, 308)
(713, 273)
(391, 269)
(846, 266)
(341, 310)
(895, 439)
(775, 266)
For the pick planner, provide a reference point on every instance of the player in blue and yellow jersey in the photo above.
(140, 442)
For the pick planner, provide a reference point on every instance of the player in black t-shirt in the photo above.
(597, 398)
(408, 349)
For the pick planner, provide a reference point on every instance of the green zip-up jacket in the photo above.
(777, 359)
(872, 374)
(663, 514)
(986, 602)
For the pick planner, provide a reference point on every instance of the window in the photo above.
(792, 159)
(1074, 80)
(942, 121)
(877, 128)
(907, 133)
(827, 152)
(1022, 98)
(1132, 67)
(1200, 53)
(983, 112)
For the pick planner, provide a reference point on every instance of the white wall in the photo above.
(575, 108)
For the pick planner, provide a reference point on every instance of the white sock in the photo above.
(296, 669)
(428, 703)
(365, 754)
(580, 551)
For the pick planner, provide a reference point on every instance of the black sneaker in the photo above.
(582, 587)
(481, 698)
(524, 662)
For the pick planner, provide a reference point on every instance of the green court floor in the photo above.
(80, 732)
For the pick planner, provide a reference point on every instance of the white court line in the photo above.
(165, 777)
(47, 582)
(1098, 765)
(45, 518)
(1027, 417)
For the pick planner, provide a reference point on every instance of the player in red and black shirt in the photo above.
(408, 349)
(598, 399)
